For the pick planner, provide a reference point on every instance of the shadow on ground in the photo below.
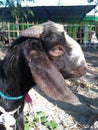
(86, 113)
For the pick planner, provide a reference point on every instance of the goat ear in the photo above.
(48, 78)
(57, 50)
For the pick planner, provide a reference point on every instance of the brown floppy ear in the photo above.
(48, 78)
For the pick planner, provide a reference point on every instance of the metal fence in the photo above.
(83, 34)
(9, 31)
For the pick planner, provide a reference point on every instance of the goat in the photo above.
(42, 55)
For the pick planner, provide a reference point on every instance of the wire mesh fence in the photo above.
(9, 31)
(83, 34)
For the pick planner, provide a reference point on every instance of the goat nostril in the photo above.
(85, 68)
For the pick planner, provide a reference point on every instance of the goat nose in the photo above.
(79, 71)
(83, 66)
(84, 69)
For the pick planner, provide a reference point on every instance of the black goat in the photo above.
(41, 55)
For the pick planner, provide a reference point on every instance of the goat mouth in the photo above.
(74, 73)
(79, 71)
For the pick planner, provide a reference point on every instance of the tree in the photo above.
(89, 1)
(17, 12)
(94, 1)
(16, 9)
(1, 2)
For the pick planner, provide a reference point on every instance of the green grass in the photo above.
(41, 118)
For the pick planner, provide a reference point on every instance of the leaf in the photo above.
(31, 12)
(89, 1)
(1, 3)
(51, 124)
(26, 127)
(40, 116)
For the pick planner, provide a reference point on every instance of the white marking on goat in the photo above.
(76, 50)
(7, 118)
(59, 27)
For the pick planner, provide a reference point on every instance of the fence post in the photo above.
(8, 25)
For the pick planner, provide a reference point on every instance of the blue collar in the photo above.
(10, 98)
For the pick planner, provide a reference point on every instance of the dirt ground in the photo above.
(68, 116)
(91, 56)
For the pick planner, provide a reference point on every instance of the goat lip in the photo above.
(79, 71)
